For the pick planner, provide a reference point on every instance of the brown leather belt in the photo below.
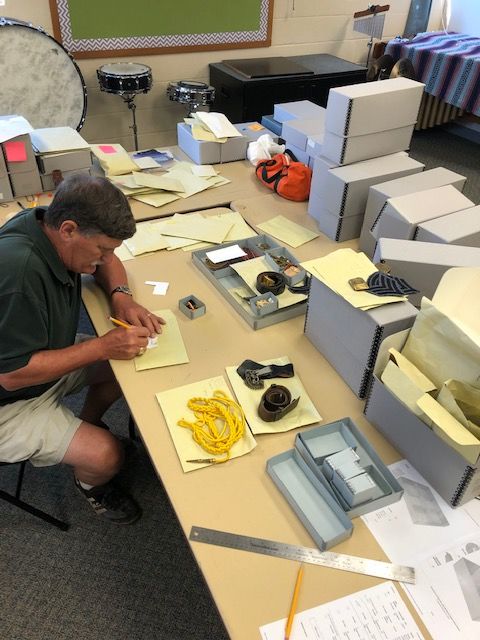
(275, 403)
(271, 282)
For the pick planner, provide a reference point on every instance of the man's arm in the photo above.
(45, 366)
(111, 275)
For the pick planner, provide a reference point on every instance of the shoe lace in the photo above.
(114, 498)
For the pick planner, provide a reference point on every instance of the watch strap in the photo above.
(123, 288)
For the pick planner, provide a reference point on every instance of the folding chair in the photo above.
(15, 499)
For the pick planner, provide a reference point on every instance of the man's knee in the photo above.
(106, 456)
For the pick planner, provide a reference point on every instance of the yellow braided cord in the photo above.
(217, 440)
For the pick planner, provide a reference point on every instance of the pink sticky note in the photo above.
(15, 151)
(107, 148)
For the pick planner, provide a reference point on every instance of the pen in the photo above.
(20, 205)
(293, 606)
(120, 323)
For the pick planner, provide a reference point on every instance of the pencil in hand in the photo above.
(120, 323)
(293, 606)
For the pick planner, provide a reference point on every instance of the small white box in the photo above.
(359, 109)
(253, 130)
(345, 189)
(379, 194)
(336, 460)
(359, 489)
(461, 227)
(297, 132)
(348, 337)
(372, 145)
(305, 109)
(203, 152)
(401, 215)
(68, 161)
(422, 264)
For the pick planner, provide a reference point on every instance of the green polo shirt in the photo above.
(39, 298)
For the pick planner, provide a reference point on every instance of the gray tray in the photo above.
(226, 279)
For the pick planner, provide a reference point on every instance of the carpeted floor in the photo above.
(101, 582)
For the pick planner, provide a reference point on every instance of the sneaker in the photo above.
(109, 501)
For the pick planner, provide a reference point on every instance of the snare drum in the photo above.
(125, 77)
(40, 79)
(191, 92)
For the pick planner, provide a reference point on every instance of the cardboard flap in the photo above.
(457, 296)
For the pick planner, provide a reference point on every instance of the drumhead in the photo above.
(124, 69)
(40, 80)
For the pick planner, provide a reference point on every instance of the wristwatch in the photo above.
(123, 288)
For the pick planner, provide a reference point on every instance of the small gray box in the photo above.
(338, 228)
(200, 151)
(349, 338)
(47, 179)
(198, 311)
(253, 130)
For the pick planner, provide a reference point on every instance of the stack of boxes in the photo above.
(367, 129)
(66, 164)
(206, 152)
(18, 169)
(300, 121)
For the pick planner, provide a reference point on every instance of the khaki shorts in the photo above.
(41, 429)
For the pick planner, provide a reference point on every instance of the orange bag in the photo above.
(285, 175)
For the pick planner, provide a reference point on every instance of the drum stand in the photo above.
(129, 99)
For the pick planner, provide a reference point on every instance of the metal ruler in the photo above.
(304, 554)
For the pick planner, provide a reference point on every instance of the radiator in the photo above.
(435, 111)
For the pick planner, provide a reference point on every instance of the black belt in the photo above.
(271, 282)
(275, 403)
(253, 373)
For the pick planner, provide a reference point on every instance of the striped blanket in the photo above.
(448, 64)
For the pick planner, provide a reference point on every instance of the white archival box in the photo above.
(460, 228)
(348, 337)
(368, 107)
(345, 189)
(378, 195)
(422, 264)
(372, 145)
(338, 228)
(285, 111)
(297, 132)
(401, 216)
(455, 479)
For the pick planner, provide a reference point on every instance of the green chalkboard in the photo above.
(91, 28)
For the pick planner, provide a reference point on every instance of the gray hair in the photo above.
(95, 204)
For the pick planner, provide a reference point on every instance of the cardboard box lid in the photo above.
(284, 111)
(452, 227)
(373, 106)
(304, 126)
(373, 167)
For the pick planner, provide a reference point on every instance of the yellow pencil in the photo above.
(293, 606)
(120, 323)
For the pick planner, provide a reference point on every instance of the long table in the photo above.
(249, 589)
(242, 181)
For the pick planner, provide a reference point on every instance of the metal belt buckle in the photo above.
(358, 284)
(252, 377)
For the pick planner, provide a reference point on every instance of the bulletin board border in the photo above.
(146, 45)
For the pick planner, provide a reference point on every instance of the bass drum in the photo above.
(40, 80)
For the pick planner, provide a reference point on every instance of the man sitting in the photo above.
(43, 251)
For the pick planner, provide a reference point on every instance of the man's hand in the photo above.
(124, 344)
(125, 308)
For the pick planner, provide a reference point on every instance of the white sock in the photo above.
(85, 486)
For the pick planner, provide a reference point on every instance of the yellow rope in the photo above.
(216, 440)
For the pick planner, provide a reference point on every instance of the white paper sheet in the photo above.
(420, 522)
(377, 613)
